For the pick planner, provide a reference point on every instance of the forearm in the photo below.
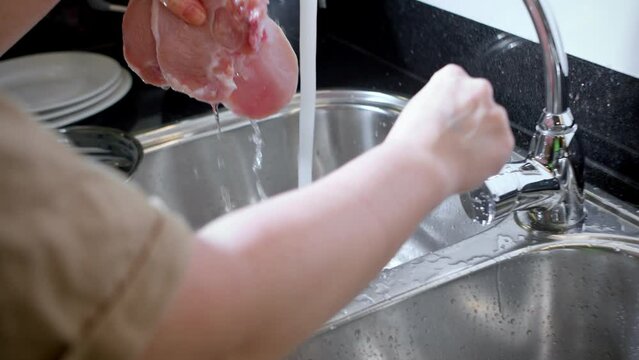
(264, 277)
(297, 258)
(18, 17)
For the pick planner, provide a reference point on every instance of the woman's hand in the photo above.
(191, 11)
(454, 122)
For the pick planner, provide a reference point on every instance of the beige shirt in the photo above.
(86, 264)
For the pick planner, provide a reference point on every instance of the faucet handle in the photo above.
(518, 185)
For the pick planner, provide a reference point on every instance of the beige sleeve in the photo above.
(86, 264)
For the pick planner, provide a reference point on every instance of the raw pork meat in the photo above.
(139, 44)
(240, 58)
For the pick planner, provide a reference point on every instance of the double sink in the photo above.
(455, 289)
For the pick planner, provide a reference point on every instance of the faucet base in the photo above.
(550, 221)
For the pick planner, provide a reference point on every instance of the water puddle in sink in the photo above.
(308, 51)
(256, 139)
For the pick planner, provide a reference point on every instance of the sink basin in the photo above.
(573, 299)
(455, 290)
(203, 171)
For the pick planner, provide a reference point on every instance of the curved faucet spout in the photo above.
(555, 58)
(546, 190)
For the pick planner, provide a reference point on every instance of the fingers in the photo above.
(484, 90)
(451, 70)
(508, 137)
(191, 11)
(481, 87)
(497, 136)
(472, 103)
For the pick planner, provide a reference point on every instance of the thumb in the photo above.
(191, 11)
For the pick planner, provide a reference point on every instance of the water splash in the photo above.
(216, 114)
(472, 260)
(483, 206)
(363, 298)
(226, 198)
(504, 242)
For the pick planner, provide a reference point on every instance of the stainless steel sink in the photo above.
(202, 173)
(577, 300)
(456, 290)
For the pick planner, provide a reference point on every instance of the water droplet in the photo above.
(363, 298)
(504, 242)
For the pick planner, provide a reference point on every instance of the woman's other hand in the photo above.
(455, 123)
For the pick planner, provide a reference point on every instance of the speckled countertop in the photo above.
(391, 46)
(146, 107)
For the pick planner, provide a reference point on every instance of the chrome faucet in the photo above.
(546, 189)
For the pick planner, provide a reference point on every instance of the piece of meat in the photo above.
(240, 58)
(268, 81)
(139, 44)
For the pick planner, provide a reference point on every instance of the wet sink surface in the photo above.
(203, 174)
(455, 290)
(575, 302)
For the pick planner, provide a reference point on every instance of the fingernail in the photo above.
(194, 15)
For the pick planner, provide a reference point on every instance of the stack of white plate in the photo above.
(64, 87)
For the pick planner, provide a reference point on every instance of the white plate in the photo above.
(66, 110)
(53, 80)
(82, 114)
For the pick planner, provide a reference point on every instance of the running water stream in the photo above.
(308, 51)
(256, 139)
(224, 191)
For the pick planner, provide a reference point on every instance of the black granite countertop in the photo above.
(339, 65)
(397, 55)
